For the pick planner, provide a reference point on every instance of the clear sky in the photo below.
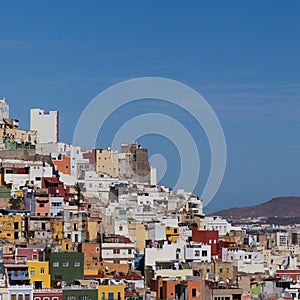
(243, 57)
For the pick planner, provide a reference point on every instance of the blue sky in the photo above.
(243, 57)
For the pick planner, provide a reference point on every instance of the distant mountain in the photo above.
(281, 207)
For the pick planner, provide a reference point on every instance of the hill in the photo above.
(276, 208)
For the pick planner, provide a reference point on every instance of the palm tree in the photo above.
(79, 195)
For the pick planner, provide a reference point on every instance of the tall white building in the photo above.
(45, 124)
(4, 110)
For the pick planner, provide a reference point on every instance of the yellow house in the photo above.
(111, 291)
(39, 274)
(172, 234)
(139, 231)
(11, 227)
(56, 227)
(67, 245)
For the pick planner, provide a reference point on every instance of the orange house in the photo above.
(42, 206)
(62, 164)
(181, 289)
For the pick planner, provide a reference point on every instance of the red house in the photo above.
(290, 275)
(28, 253)
(55, 187)
(47, 294)
(207, 237)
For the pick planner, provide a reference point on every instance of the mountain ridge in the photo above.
(284, 207)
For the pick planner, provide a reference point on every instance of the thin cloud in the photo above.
(4, 44)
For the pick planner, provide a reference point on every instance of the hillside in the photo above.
(281, 207)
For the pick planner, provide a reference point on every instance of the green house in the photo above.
(66, 267)
(79, 294)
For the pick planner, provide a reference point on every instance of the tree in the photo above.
(79, 195)
(16, 202)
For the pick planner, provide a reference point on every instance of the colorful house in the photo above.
(39, 274)
(66, 267)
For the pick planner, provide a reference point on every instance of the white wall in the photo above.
(45, 124)
(166, 253)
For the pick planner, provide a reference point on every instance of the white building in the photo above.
(45, 124)
(282, 239)
(98, 185)
(217, 223)
(245, 261)
(157, 231)
(4, 110)
(56, 206)
(197, 252)
(119, 253)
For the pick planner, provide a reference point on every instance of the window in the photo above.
(65, 264)
(129, 251)
(42, 205)
(116, 251)
(197, 253)
(34, 256)
(13, 297)
(119, 296)
(42, 270)
(77, 264)
(36, 298)
(32, 273)
(120, 228)
(55, 264)
(46, 298)
(97, 249)
(110, 296)
(83, 297)
(204, 253)
(103, 296)
(55, 298)
(194, 293)
(20, 297)
(71, 297)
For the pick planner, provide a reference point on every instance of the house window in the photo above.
(103, 296)
(129, 251)
(120, 228)
(197, 253)
(77, 264)
(204, 253)
(65, 264)
(194, 293)
(55, 298)
(34, 257)
(20, 297)
(116, 251)
(97, 249)
(36, 298)
(32, 273)
(110, 296)
(119, 296)
(71, 297)
(55, 264)
(13, 297)
(42, 205)
(83, 297)
(46, 298)
(42, 270)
